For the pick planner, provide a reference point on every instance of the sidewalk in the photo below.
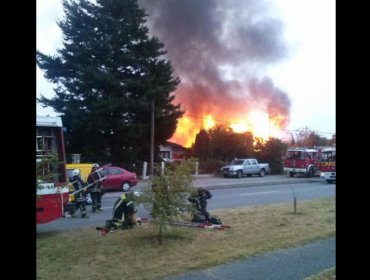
(289, 264)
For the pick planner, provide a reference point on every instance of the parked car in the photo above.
(245, 166)
(118, 179)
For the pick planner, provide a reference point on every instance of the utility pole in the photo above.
(152, 141)
(268, 110)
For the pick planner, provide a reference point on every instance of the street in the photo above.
(227, 193)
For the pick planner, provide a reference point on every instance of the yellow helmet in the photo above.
(123, 196)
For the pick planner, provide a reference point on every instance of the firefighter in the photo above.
(123, 213)
(96, 189)
(200, 200)
(80, 199)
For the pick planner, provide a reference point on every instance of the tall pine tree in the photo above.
(106, 75)
(202, 145)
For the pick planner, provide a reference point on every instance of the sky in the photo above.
(292, 65)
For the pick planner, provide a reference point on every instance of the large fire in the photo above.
(257, 122)
(222, 77)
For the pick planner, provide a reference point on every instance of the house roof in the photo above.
(48, 121)
(176, 146)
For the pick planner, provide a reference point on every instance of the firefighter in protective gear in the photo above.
(96, 188)
(200, 200)
(80, 199)
(124, 210)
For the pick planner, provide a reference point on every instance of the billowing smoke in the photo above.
(219, 49)
(278, 102)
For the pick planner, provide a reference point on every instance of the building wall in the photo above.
(172, 151)
(51, 140)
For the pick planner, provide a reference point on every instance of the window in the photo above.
(294, 155)
(237, 162)
(165, 154)
(115, 171)
(45, 143)
(329, 156)
(48, 144)
(39, 144)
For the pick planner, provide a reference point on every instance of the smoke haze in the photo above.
(219, 49)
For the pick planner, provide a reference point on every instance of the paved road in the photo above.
(289, 264)
(269, 194)
(214, 182)
(236, 193)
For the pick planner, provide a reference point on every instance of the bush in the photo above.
(210, 166)
(166, 197)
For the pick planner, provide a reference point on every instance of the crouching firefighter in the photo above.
(79, 197)
(124, 210)
(199, 199)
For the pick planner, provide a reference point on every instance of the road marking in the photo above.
(328, 186)
(258, 193)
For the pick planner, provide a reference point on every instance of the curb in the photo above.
(252, 184)
(234, 184)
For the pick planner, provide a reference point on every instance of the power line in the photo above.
(297, 130)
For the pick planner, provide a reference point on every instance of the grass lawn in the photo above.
(136, 254)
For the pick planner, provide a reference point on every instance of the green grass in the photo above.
(136, 254)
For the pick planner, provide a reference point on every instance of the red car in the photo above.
(118, 179)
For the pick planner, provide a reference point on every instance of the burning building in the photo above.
(219, 50)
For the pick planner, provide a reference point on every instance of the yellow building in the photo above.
(85, 169)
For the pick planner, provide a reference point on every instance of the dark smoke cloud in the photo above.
(203, 37)
(278, 102)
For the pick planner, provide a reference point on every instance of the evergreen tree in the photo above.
(221, 144)
(106, 75)
(202, 145)
(226, 144)
(245, 142)
(272, 152)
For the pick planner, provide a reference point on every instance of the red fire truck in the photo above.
(302, 161)
(327, 165)
(52, 195)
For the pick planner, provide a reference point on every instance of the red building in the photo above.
(50, 139)
(51, 196)
(173, 152)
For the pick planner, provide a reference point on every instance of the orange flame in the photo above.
(257, 122)
(208, 122)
